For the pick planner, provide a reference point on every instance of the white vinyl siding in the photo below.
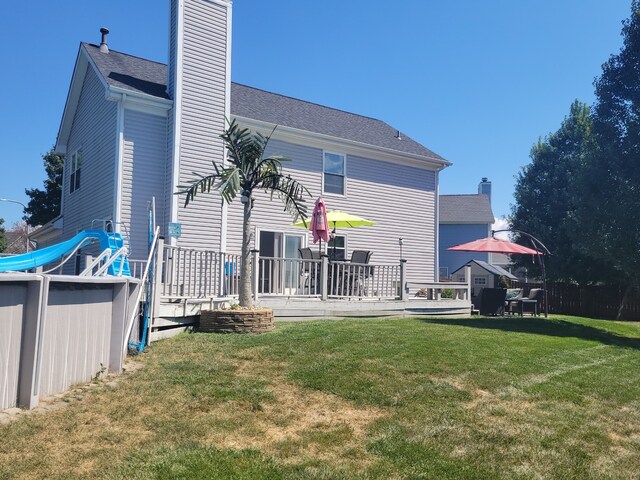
(203, 105)
(399, 198)
(144, 172)
(93, 130)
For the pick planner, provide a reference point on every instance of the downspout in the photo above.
(436, 240)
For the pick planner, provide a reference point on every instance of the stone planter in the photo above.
(236, 321)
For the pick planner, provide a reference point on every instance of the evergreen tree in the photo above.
(545, 200)
(608, 214)
(44, 205)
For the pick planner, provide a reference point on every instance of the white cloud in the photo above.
(501, 224)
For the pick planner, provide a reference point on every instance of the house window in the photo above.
(334, 173)
(76, 164)
(479, 281)
(337, 248)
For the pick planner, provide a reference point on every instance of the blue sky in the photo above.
(476, 82)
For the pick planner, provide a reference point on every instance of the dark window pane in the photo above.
(333, 183)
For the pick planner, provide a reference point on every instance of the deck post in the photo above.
(255, 268)
(403, 279)
(158, 275)
(467, 277)
(222, 275)
(324, 275)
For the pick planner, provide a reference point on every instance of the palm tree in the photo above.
(247, 170)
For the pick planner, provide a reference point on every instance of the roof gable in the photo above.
(466, 209)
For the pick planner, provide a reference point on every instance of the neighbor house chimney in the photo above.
(484, 188)
(104, 48)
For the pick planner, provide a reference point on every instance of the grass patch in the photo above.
(405, 398)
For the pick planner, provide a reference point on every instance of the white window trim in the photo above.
(344, 177)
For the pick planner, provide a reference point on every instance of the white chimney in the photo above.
(199, 83)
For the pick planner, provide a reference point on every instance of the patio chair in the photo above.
(511, 301)
(306, 254)
(534, 299)
(359, 274)
(492, 301)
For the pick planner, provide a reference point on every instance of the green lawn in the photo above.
(405, 398)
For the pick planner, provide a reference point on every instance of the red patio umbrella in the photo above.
(494, 245)
(319, 224)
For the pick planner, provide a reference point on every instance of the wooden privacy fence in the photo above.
(594, 301)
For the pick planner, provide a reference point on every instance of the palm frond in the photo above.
(290, 191)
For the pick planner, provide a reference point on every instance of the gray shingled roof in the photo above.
(131, 73)
(465, 209)
(144, 76)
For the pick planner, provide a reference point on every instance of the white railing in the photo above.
(137, 267)
(287, 276)
(346, 279)
(198, 273)
(307, 278)
(438, 290)
(190, 273)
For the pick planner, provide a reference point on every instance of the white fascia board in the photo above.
(73, 97)
(318, 140)
(140, 101)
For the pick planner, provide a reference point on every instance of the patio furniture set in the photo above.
(501, 301)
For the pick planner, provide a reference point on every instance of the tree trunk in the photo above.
(244, 294)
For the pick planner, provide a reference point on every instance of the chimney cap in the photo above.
(485, 179)
(104, 48)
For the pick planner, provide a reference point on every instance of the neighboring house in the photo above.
(462, 219)
(134, 129)
(483, 275)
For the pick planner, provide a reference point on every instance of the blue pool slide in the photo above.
(43, 256)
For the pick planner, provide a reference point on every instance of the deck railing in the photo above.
(191, 273)
(195, 273)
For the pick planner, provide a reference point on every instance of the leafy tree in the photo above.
(608, 214)
(248, 170)
(545, 200)
(3, 236)
(44, 205)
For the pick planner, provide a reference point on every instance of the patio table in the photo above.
(526, 301)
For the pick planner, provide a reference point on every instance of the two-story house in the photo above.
(134, 129)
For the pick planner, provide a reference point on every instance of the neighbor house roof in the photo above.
(493, 269)
(465, 209)
(144, 76)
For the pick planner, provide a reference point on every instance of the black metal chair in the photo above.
(534, 299)
(309, 269)
(492, 301)
(359, 274)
